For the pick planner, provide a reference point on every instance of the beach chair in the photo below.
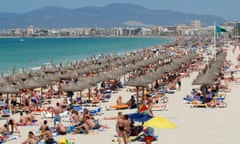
(97, 111)
(65, 116)
(161, 105)
(6, 113)
(107, 97)
(79, 109)
(198, 104)
(187, 100)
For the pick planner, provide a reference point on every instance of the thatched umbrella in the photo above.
(68, 75)
(139, 82)
(74, 87)
(106, 76)
(39, 72)
(52, 77)
(8, 89)
(13, 78)
(24, 75)
(33, 83)
(52, 69)
(3, 80)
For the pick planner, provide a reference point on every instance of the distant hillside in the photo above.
(108, 16)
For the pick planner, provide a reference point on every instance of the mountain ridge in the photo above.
(112, 15)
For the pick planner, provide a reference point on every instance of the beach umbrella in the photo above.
(139, 117)
(83, 85)
(13, 78)
(70, 86)
(203, 80)
(139, 82)
(31, 84)
(68, 75)
(38, 72)
(84, 70)
(52, 69)
(8, 89)
(68, 67)
(24, 75)
(159, 122)
(3, 81)
(167, 68)
(106, 76)
(51, 77)
(88, 80)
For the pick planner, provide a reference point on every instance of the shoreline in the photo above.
(123, 53)
(12, 37)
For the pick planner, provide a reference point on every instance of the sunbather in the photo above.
(22, 119)
(217, 103)
(32, 139)
(4, 129)
(60, 129)
(13, 124)
(89, 124)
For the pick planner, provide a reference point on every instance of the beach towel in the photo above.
(132, 138)
(34, 123)
(143, 108)
(120, 106)
(4, 139)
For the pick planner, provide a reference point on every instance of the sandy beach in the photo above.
(194, 125)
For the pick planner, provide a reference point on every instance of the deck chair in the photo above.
(6, 113)
(97, 111)
(195, 104)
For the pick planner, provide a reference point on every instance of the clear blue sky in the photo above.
(228, 9)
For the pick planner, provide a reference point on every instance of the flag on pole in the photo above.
(220, 29)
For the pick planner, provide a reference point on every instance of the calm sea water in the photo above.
(33, 52)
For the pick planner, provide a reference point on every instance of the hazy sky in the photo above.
(228, 9)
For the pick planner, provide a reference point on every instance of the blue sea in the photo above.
(33, 52)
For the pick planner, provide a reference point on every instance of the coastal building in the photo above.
(235, 29)
(195, 28)
(156, 30)
(117, 31)
(145, 32)
(196, 24)
(30, 30)
(181, 30)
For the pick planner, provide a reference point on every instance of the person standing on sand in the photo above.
(179, 84)
(57, 110)
(118, 118)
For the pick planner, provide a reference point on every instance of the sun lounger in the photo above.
(188, 100)
(199, 105)
(97, 111)
(5, 113)
(160, 107)
(124, 106)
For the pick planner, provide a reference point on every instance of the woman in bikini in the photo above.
(123, 125)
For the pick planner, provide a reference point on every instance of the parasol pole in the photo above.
(137, 98)
(214, 41)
